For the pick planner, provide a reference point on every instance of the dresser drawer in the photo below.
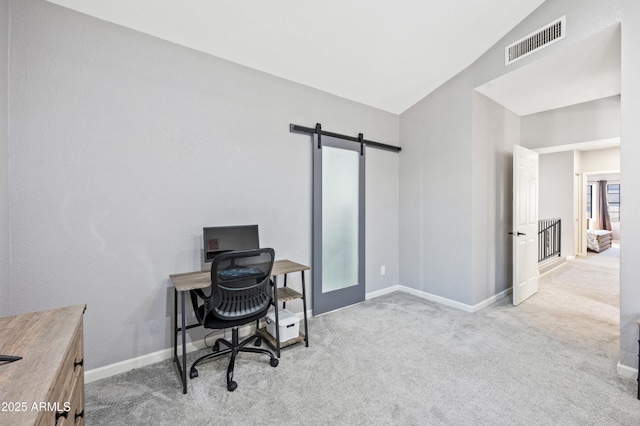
(74, 416)
(48, 382)
(61, 405)
(76, 400)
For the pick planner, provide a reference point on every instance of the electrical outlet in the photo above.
(383, 270)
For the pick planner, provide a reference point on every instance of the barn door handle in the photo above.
(517, 233)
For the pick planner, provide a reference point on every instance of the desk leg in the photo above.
(181, 364)
(304, 311)
(184, 343)
(275, 302)
(284, 304)
(175, 325)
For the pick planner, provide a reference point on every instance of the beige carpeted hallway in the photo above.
(580, 301)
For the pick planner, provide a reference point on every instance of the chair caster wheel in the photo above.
(231, 386)
(258, 342)
(215, 347)
(193, 373)
(274, 362)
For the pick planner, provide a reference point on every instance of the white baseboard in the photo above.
(374, 294)
(164, 354)
(439, 299)
(492, 300)
(628, 372)
(152, 358)
(138, 362)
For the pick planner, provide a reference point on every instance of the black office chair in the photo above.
(241, 291)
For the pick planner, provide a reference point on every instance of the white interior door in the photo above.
(525, 223)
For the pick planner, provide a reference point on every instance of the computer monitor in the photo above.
(220, 239)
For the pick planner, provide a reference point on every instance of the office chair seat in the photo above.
(240, 293)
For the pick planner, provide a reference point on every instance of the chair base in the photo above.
(233, 348)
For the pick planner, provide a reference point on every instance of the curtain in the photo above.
(603, 206)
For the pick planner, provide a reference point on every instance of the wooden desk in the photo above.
(184, 282)
(46, 386)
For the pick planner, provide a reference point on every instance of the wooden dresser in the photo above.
(45, 387)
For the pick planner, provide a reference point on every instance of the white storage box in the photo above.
(289, 325)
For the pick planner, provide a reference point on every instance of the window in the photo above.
(589, 201)
(613, 198)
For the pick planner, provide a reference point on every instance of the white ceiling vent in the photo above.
(535, 41)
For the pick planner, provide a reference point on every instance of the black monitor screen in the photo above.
(221, 239)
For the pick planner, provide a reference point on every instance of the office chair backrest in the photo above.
(240, 284)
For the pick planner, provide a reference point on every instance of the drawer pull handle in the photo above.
(78, 363)
(61, 414)
(80, 414)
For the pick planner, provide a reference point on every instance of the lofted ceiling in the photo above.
(585, 71)
(388, 54)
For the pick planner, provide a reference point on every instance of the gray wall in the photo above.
(4, 164)
(381, 221)
(437, 136)
(589, 121)
(556, 193)
(124, 146)
(435, 193)
(630, 178)
(495, 131)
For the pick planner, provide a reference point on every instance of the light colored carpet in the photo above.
(399, 359)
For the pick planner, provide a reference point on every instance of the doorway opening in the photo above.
(552, 107)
